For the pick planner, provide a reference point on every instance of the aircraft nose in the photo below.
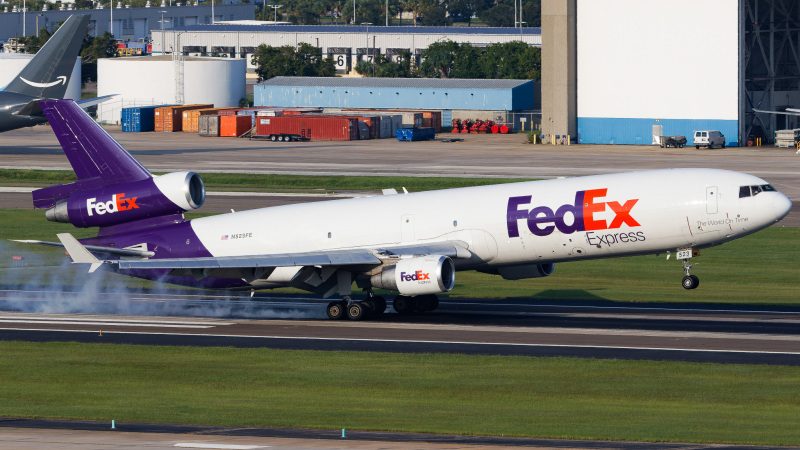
(782, 205)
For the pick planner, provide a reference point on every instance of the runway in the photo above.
(696, 333)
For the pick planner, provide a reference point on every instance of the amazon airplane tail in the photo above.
(47, 74)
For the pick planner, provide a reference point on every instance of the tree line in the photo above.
(494, 13)
(446, 59)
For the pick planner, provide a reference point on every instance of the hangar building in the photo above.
(668, 68)
(457, 98)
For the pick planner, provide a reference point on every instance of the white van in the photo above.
(709, 138)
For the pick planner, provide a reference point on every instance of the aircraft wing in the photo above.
(343, 257)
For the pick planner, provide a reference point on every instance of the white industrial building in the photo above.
(628, 71)
(346, 44)
(11, 64)
(160, 80)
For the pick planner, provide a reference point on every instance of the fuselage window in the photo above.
(744, 191)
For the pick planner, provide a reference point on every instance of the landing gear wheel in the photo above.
(690, 282)
(425, 303)
(335, 310)
(357, 311)
(403, 304)
(380, 304)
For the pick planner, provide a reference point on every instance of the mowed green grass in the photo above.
(276, 182)
(428, 393)
(760, 269)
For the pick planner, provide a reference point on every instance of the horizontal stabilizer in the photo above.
(89, 102)
(79, 253)
(30, 109)
(95, 248)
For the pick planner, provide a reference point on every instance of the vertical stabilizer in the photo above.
(97, 159)
(47, 75)
(91, 151)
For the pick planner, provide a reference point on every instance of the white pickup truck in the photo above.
(709, 138)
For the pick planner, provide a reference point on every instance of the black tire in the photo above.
(356, 311)
(696, 281)
(380, 304)
(697, 147)
(336, 310)
(273, 138)
(403, 304)
(723, 145)
(690, 282)
(426, 303)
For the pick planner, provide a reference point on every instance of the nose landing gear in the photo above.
(689, 281)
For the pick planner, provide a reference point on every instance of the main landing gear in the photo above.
(356, 310)
(376, 305)
(689, 281)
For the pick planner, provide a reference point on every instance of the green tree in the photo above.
(94, 48)
(433, 14)
(465, 9)
(448, 59)
(499, 15)
(384, 68)
(306, 61)
(511, 60)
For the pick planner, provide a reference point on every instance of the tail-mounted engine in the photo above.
(418, 276)
(172, 193)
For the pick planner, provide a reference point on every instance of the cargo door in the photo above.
(408, 230)
(711, 199)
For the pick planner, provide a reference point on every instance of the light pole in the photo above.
(275, 7)
(25, 7)
(162, 31)
(354, 12)
(37, 24)
(387, 13)
(212, 10)
(111, 24)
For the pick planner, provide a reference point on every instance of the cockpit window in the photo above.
(744, 191)
(752, 191)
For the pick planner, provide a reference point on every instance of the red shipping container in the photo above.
(373, 122)
(320, 128)
(234, 126)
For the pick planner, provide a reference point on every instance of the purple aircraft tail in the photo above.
(97, 159)
(113, 187)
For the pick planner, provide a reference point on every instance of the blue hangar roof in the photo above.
(409, 83)
(397, 93)
(358, 29)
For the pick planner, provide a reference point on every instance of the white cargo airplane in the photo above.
(409, 243)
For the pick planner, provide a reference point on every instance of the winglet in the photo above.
(78, 252)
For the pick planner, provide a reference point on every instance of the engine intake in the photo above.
(418, 276)
(173, 193)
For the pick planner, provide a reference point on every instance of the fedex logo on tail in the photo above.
(117, 203)
(415, 276)
(542, 220)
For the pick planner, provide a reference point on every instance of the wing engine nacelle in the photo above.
(163, 195)
(418, 276)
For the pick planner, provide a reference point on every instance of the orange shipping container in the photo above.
(170, 118)
(234, 126)
(191, 118)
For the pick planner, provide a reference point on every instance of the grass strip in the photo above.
(427, 393)
(734, 273)
(276, 182)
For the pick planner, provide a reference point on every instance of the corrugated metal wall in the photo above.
(399, 98)
(595, 130)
